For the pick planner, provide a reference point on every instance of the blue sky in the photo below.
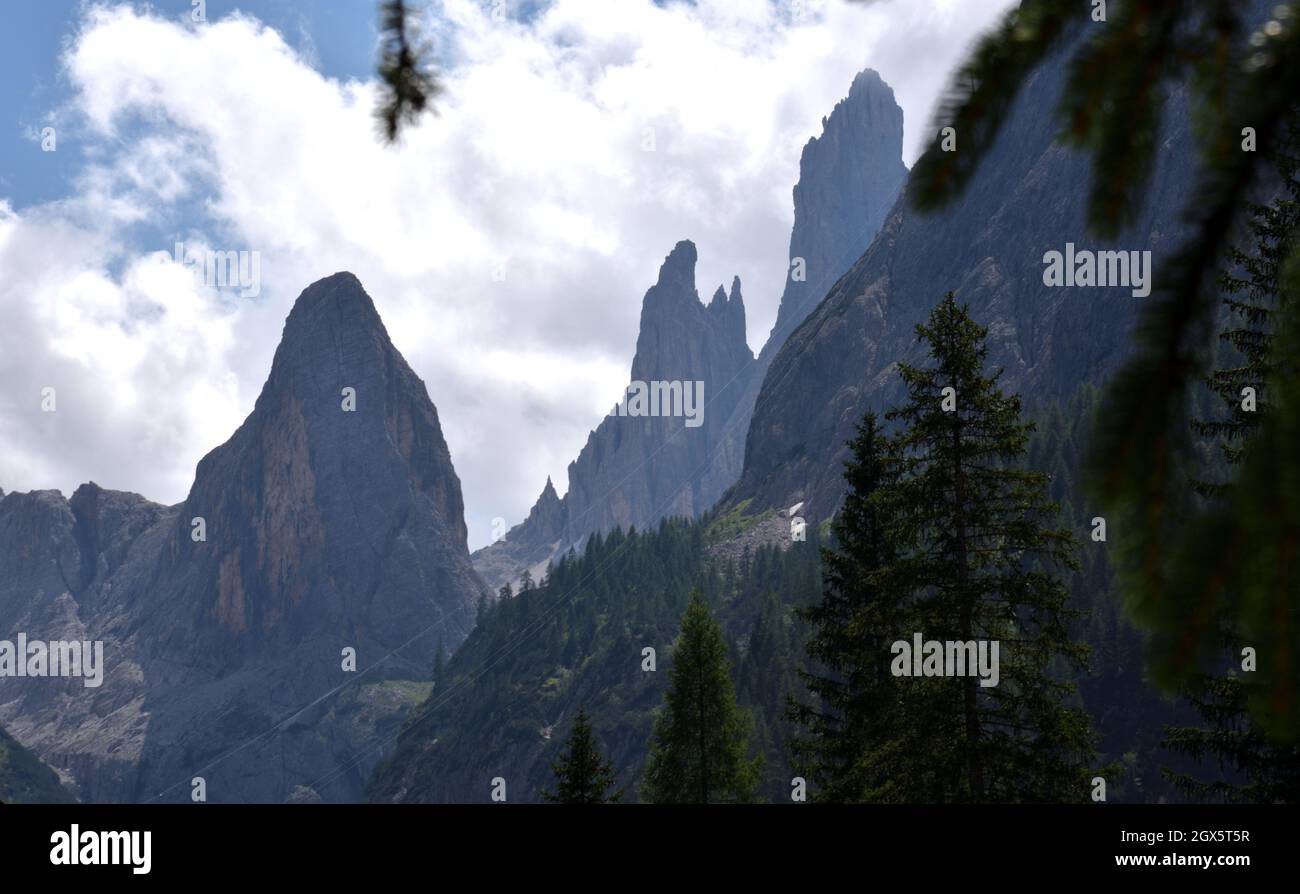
(254, 132)
(339, 37)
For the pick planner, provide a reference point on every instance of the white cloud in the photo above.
(224, 134)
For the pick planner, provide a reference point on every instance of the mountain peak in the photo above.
(547, 517)
(730, 311)
(849, 177)
(335, 301)
(678, 269)
(343, 446)
(330, 523)
(868, 79)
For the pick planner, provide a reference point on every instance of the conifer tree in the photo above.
(849, 713)
(698, 752)
(582, 774)
(1254, 296)
(975, 559)
(408, 87)
(1243, 71)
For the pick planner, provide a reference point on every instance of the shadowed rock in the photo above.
(324, 528)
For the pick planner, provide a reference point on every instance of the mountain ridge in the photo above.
(330, 521)
(848, 177)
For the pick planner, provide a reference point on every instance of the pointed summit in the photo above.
(736, 311)
(335, 298)
(677, 331)
(333, 333)
(677, 273)
(729, 311)
(867, 81)
(547, 500)
(548, 515)
(326, 535)
(849, 177)
(332, 519)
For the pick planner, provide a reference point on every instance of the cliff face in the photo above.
(331, 520)
(638, 473)
(529, 545)
(849, 178)
(1027, 199)
(988, 247)
(663, 450)
(637, 469)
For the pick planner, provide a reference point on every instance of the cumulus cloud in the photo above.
(507, 241)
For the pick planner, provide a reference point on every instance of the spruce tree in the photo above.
(1240, 63)
(1254, 296)
(849, 712)
(582, 774)
(975, 559)
(700, 741)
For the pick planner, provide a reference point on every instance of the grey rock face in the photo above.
(849, 178)
(1027, 199)
(637, 469)
(325, 529)
(638, 474)
(528, 546)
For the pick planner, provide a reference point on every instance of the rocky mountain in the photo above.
(327, 533)
(849, 178)
(529, 545)
(638, 473)
(576, 642)
(1028, 199)
(663, 450)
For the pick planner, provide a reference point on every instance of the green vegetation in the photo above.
(944, 535)
(698, 755)
(578, 639)
(734, 522)
(582, 775)
(24, 779)
(1187, 568)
